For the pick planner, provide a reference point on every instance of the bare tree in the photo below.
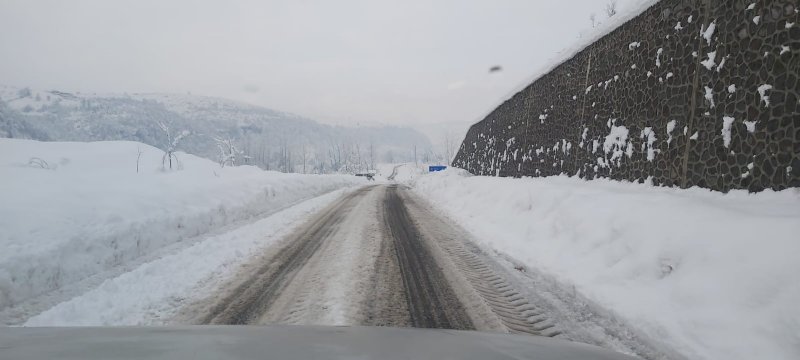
(227, 151)
(358, 163)
(371, 156)
(449, 148)
(338, 158)
(285, 157)
(171, 145)
(138, 156)
(320, 161)
(288, 164)
(262, 158)
(247, 150)
(305, 157)
(427, 156)
(611, 8)
(335, 156)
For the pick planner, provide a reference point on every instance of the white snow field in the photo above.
(77, 211)
(712, 275)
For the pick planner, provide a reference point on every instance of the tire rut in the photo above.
(388, 305)
(430, 300)
(513, 310)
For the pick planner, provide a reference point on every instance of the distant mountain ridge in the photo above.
(264, 137)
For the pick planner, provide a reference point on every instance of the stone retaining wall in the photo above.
(688, 93)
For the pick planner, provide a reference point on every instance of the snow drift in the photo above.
(716, 276)
(73, 210)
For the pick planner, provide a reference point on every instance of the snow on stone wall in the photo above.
(707, 97)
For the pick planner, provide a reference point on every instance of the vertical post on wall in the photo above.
(527, 116)
(583, 105)
(693, 101)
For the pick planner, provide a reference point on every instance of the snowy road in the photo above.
(359, 261)
(588, 261)
(373, 255)
(367, 259)
(383, 256)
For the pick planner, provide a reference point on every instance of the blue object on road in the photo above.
(433, 168)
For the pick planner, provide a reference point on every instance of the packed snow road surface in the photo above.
(393, 278)
(382, 256)
(377, 256)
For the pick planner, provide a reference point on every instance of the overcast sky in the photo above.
(393, 62)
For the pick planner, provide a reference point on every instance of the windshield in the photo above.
(617, 173)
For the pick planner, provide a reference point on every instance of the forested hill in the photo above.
(267, 138)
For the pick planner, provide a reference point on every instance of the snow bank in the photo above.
(715, 276)
(80, 209)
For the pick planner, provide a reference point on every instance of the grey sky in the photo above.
(396, 62)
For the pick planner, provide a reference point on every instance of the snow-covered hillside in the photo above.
(263, 137)
(71, 211)
(715, 276)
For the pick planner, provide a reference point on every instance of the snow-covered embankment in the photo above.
(72, 210)
(715, 276)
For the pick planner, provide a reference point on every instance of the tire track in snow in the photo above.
(499, 305)
(254, 296)
(526, 301)
(431, 301)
